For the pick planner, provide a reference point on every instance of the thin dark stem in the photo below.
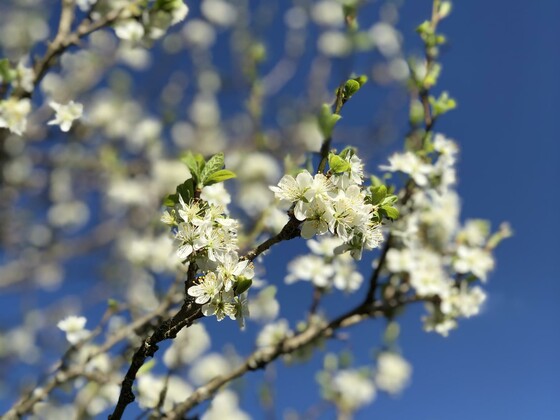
(168, 329)
(316, 299)
(326, 146)
(374, 279)
(188, 313)
(289, 231)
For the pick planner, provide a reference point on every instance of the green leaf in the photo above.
(186, 190)
(195, 163)
(389, 212)
(361, 79)
(171, 200)
(375, 181)
(337, 164)
(442, 104)
(389, 200)
(327, 120)
(219, 176)
(378, 193)
(350, 88)
(214, 164)
(416, 113)
(242, 285)
(432, 76)
(7, 74)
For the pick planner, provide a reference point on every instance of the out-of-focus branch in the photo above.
(65, 372)
(262, 357)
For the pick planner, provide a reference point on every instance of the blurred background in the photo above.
(79, 211)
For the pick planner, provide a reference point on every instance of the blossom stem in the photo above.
(326, 145)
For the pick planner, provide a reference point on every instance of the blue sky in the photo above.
(503, 66)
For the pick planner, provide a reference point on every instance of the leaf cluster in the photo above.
(203, 173)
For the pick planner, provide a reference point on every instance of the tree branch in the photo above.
(262, 357)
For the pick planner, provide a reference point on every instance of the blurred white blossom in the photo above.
(13, 114)
(73, 326)
(393, 372)
(66, 114)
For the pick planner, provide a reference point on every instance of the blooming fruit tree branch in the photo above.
(184, 218)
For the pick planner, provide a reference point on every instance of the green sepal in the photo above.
(337, 164)
(242, 285)
(219, 176)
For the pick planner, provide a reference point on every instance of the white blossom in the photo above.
(464, 301)
(230, 268)
(179, 12)
(66, 114)
(328, 13)
(189, 344)
(264, 307)
(474, 260)
(129, 30)
(410, 164)
(208, 367)
(85, 5)
(385, 38)
(221, 305)
(353, 388)
(13, 114)
(312, 268)
(293, 189)
(219, 12)
(209, 286)
(73, 326)
(216, 195)
(345, 276)
(274, 333)
(334, 44)
(150, 388)
(199, 33)
(393, 372)
(25, 77)
(225, 406)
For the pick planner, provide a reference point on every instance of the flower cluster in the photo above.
(437, 257)
(353, 388)
(154, 23)
(208, 238)
(335, 203)
(324, 268)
